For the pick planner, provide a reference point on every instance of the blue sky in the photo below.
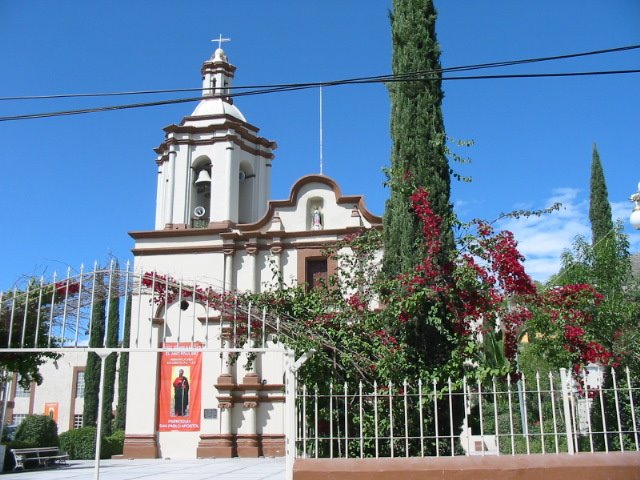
(72, 187)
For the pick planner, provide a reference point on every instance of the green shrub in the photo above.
(37, 431)
(80, 444)
(116, 442)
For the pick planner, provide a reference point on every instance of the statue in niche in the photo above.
(316, 219)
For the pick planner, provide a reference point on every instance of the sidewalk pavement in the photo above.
(219, 469)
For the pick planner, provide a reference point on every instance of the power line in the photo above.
(62, 113)
(294, 87)
(388, 77)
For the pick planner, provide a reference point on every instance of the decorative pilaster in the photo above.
(230, 173)
(171, 186)
(229, 251)
(222, 445)
(252, 251)
(248, 445)
(226, 336)
(276, 251)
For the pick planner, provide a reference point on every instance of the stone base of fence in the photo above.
(585, 466)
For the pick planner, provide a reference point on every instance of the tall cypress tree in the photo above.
(599, 207)
(418, 135)
(113, 325)
(123, 373)
(96, 339)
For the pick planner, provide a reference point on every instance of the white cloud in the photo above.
(621, 211)
(542, 268)
(543, 239)
(464, 207)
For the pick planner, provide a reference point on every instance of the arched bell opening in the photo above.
(246, 192)
(201, 193)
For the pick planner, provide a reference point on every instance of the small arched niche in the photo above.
(201, 192)
(315, 214)
(246, 192)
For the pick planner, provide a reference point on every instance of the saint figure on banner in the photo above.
(181, 394)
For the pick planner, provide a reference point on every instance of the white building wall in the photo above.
(57, 387)
(203, 267)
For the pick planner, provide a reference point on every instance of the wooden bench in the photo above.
(39, 457)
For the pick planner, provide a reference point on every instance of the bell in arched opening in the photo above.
(201, 198)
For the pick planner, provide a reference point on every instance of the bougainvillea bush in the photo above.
(448, 317)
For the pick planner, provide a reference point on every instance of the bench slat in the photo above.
(43, 456)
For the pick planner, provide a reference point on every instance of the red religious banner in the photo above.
(179, 395)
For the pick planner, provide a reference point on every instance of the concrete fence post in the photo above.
(566, 404)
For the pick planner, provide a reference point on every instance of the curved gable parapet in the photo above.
(293, 199)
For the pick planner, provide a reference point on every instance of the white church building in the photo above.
(215, 224)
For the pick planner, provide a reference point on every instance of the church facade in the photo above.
(216, 225)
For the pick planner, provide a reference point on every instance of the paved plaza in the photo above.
(220, 469)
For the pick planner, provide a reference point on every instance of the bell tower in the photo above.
(214, 170)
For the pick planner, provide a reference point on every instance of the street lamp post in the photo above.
(635, 214)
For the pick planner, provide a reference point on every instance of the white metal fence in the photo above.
(56, 315)
(554, 414)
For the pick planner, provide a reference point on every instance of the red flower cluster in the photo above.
(430, 223)
(325, 319)
(506, 261)
(351, 237)
(596, 353)
(167, 289)
(512, 322)
(573, 334)
(386, 339)
(570, 307)
(470, 292)
(66, 287)
(575, 295)
(354, 301)
(473, 290)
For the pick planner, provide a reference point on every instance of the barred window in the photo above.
(21, 391)
(77, 421)
(80, 384)
(18, 418)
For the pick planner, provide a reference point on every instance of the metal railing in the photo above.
(515, 415)
(56, 314)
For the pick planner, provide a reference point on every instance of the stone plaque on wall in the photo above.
(210, 413)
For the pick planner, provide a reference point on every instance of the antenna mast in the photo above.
(321, 130)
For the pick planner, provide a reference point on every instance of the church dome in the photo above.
(217, 106)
